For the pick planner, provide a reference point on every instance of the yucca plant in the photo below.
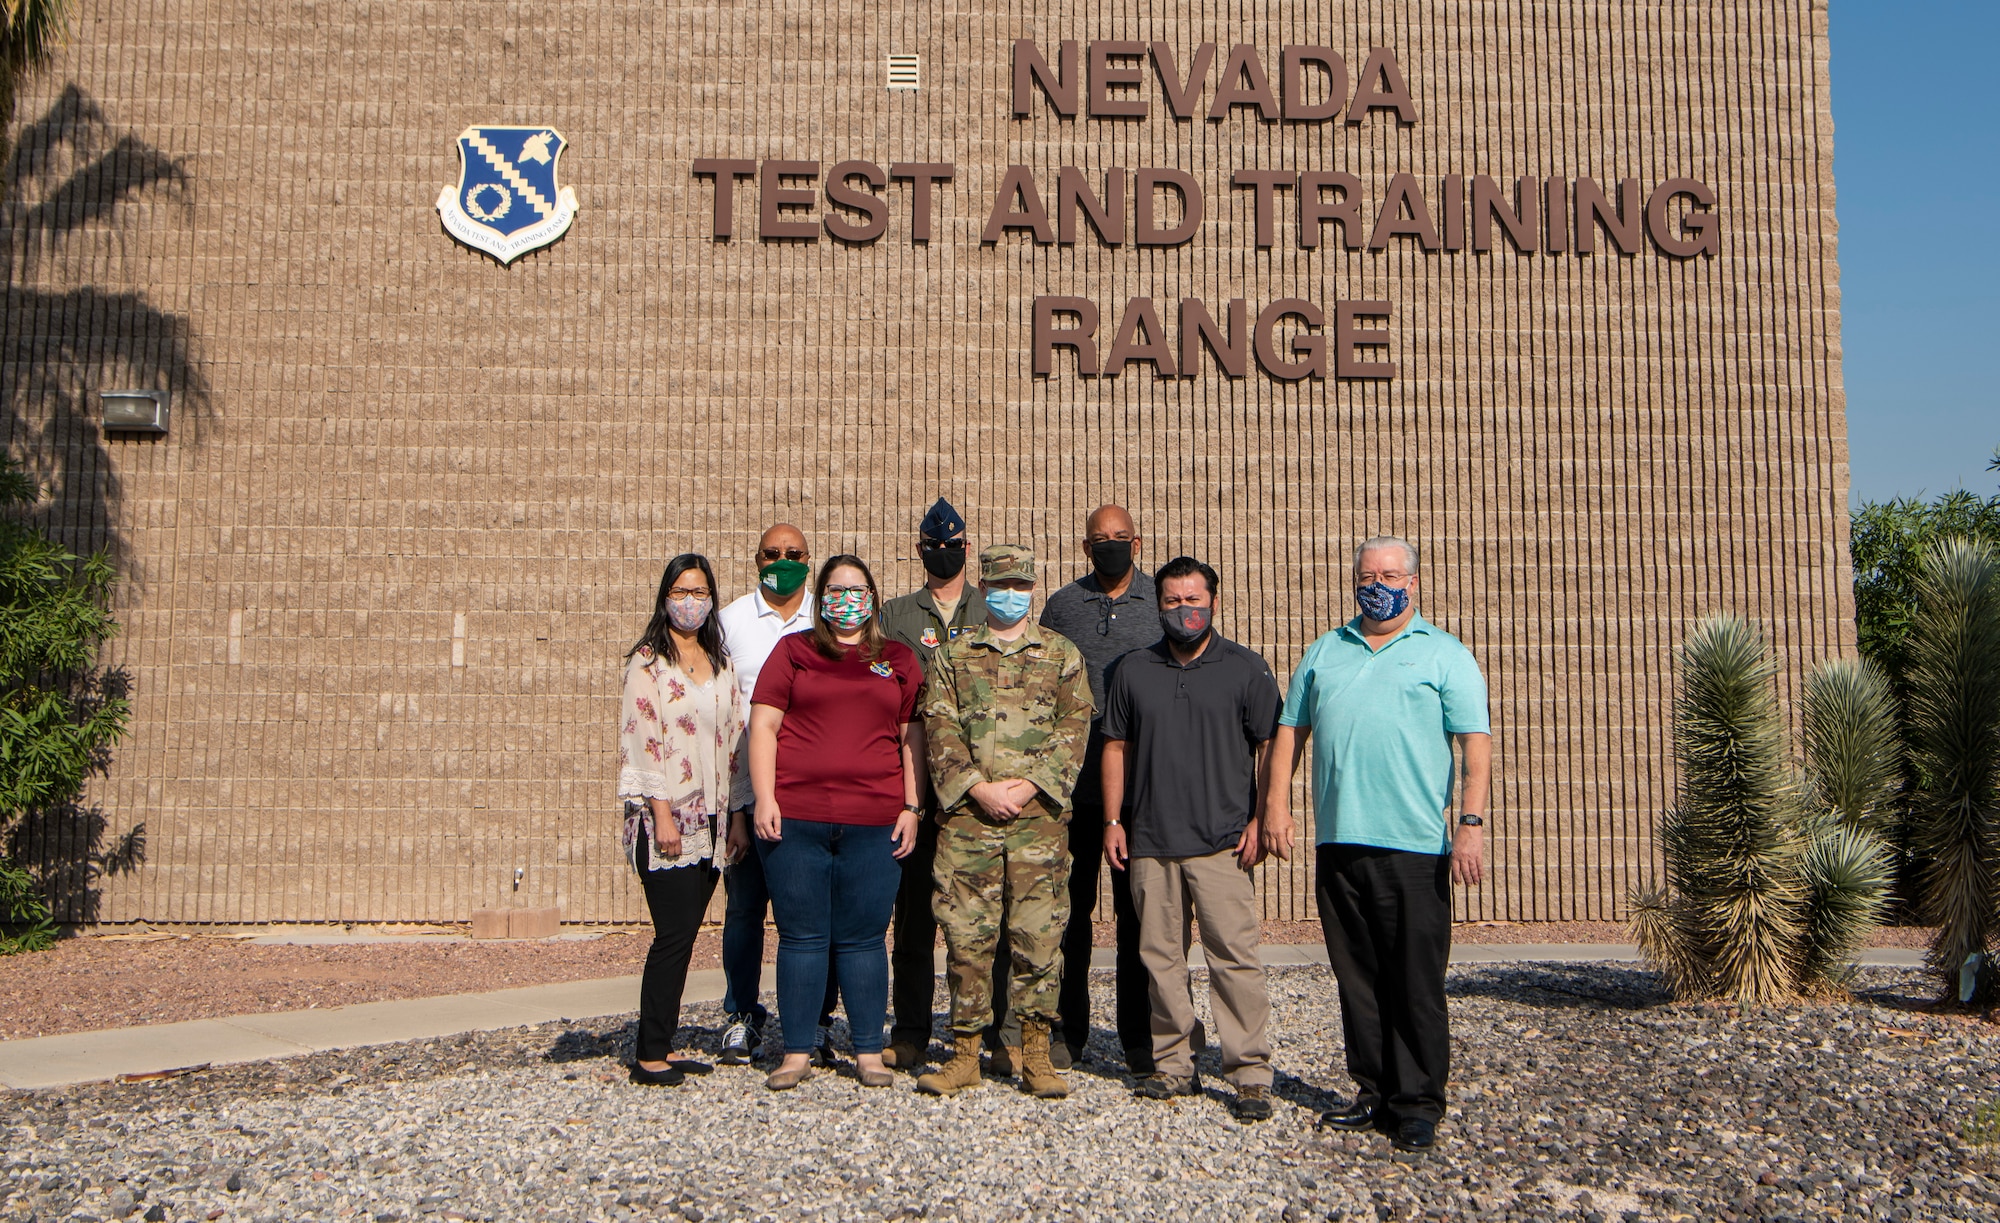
(1954, 733)
(1729, 923)
(1853, 769)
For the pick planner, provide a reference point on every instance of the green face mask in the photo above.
(783, 578)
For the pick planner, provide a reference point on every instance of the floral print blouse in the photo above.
(677, 742)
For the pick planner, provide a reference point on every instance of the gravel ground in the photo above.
(1578, 1095)
(123, 980)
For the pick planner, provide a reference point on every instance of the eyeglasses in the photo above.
(837, 591)
(948, 545)
(688, 592)
(1387, 579)
(783, 554)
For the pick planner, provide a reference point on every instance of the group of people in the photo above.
(945, 760)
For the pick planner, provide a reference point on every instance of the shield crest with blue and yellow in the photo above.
(508, 200)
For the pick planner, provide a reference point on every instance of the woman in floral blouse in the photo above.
(676, 760)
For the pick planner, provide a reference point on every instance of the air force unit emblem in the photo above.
(507, 202)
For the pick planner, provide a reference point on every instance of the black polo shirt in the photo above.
(1191, 736)
(1105, 630)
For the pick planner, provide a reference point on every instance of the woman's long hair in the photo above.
(659, 630)
(871, 632)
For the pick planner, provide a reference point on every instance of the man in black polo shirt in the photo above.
(1185, 727)
(1107, 613)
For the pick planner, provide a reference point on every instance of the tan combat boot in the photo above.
(957, 1074)
(1037, 1075)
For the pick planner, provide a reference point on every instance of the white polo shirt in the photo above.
(750, 631)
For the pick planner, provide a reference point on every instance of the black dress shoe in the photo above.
(1139, 1062)
(1356, 1116)
(1415, 1135)
(687, 1065)
(670, 1077)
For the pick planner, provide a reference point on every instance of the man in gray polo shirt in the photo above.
(1185, 728)
(1107, 613)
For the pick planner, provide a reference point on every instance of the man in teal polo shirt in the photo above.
(1384, 698)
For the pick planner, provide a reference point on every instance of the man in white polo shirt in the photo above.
(751, 627)
(1384, 698)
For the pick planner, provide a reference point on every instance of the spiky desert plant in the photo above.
(1853, 758)
(1954, 735)
(1729, 925)
(1847, 876)
(1853, 767)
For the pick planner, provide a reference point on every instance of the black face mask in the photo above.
(1184, 625)
(1111, 558)
(942, 563)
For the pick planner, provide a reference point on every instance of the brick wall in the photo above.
(390, 452)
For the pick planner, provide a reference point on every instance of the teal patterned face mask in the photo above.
(847, 608)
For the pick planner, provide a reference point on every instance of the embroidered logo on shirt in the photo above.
(882, 669)
(930, 638)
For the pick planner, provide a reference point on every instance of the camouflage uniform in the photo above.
(994, 710)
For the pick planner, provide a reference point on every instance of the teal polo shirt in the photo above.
(1381, 723)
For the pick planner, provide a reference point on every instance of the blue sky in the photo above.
(1917, 171)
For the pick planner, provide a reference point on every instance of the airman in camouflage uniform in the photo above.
(1006, 716)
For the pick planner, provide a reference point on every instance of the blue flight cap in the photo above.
(943, 522)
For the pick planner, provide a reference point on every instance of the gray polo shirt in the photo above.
(1104, 630)
(1191, 735)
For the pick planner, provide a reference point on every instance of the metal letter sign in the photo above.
(507, 202)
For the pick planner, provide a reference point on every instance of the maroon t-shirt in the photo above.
(840, 748)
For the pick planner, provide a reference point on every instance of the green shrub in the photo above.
(58, 719)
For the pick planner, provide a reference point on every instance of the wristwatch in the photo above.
(1469, 820)
(1111, 823)
(913, 808)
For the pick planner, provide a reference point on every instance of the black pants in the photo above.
(913, 957)
(677, 898)
(1134, 1009)
(1386, 915)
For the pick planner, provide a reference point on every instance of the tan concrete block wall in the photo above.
(378, 431)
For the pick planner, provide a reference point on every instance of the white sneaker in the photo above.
(739, 1042)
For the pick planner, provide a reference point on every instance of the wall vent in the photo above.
(902, 72)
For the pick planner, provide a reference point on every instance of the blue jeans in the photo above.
(832, 888)
(743, 944)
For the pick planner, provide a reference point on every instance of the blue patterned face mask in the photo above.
(1381, 603)
(1006, 605)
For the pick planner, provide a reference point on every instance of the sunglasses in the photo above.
(782, 554)
(942, 545)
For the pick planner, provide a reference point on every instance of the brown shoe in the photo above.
(903, 1055)
(785, 1080)
(1006, 1062)
(961, 1072)
(1037, 1076)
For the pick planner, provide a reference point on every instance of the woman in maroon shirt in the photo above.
(835, 749)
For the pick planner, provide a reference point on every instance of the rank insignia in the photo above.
(507, 201)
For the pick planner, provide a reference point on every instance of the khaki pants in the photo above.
(1220, 896)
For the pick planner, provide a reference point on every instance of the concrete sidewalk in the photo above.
(87, 1057)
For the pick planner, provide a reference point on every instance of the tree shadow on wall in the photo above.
(69, 188)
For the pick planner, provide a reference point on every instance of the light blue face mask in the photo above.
(1006, 605)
